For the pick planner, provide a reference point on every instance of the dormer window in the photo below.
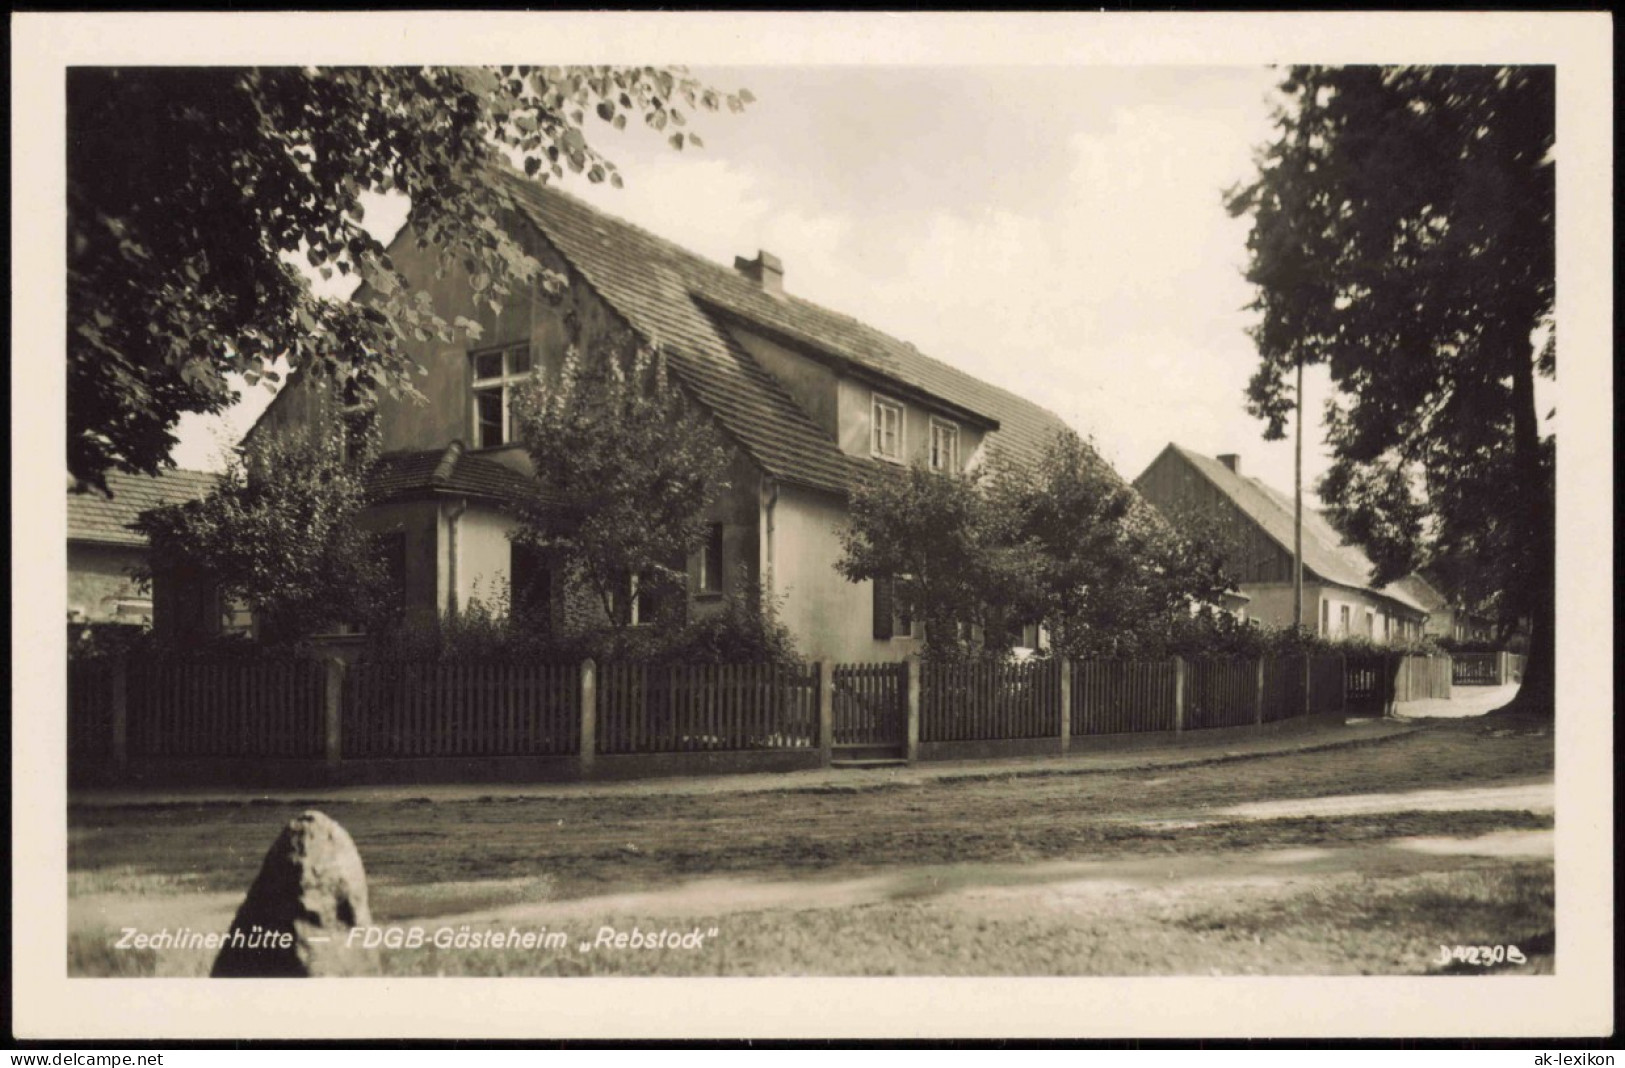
(496, 374)
(886, 422)
(944, 445)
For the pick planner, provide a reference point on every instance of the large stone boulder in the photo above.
(296, 919)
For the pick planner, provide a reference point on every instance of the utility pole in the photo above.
(1297, 510)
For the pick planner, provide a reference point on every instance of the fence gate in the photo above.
(869, 704)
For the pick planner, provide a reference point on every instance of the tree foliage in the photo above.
(1064, 542)
(1403, 235)
(1111, 574)
(952, 559)
(626, 468)
(279, 532)
(195, 194)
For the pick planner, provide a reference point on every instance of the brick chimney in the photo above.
(1232, 461)
(765, 270)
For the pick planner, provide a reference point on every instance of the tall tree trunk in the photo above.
(1537, 530)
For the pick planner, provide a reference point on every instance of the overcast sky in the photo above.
(1058, 231)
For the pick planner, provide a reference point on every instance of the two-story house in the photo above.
(807, 398)
(1339, 598)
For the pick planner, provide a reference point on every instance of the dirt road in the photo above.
(1343, 860)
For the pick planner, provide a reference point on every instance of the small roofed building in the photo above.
(105, 549)
(1256, 522)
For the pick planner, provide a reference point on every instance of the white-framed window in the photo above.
(496, 373)
(944, 445)
(886, 423)
(1343, 620)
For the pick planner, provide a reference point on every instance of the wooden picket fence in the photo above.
(1283, 696)
(1123, 696)
(645, 708)
(225, 708)
(428, 709)
(985, 701)
(90, 710)
(1326, 684)
(1477, 669)
(301, 709)
(1422, 678)
(869, 704)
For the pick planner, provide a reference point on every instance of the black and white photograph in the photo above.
(928, 499)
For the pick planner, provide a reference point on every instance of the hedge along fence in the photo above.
(645, 708)
(225, 708)
(425, 709)
(987, 702)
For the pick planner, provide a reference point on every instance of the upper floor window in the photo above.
(886, 421)
(944, 445)
(496, 373)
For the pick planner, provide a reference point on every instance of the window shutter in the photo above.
(883, 608)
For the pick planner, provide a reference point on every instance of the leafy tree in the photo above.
(279, 532)
(951, 559)
(1111, 576)
(194, 192)
(626, 468)
(1403, 236)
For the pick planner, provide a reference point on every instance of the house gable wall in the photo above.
(830, 618)
(1176, 489)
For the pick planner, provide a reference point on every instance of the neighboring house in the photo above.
(104, 549)
(1446, 619)
(808, 398)
(1339, 599)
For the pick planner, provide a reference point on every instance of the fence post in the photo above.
(1258, 695)
(1390, 685)
(826, 713)
(120, 701)
(1065, 697)
(1308, 678)
(913, 751)
(333, 711)
(1181, 692)
(589, 715)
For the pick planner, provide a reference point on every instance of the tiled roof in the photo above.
(1422, 592)
(1324, 551)
(450, 470)
(93, 517)
(668, 295)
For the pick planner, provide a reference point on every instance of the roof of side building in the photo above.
(93, 517)
(1324, 550)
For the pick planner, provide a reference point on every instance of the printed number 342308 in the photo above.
(1480, 955)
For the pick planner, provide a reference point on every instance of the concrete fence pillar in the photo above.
(119, 698)
(589, 715)
(1258, 694)
(826, 713)
(333, 711)
(1182, 685)
(913, 750)
(1065, 697)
